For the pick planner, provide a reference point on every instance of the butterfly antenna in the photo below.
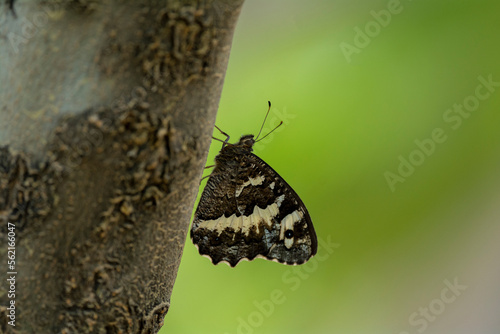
(270, 131)
(269, 102)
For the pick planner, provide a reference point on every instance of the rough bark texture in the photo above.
(106, 114)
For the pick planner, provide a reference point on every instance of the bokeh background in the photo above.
(417, 254)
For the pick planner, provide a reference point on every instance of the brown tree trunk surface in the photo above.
(106, 114)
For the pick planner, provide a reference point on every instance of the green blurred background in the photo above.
(417, 256)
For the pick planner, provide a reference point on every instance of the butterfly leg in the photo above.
(225, 134)
(211, 166)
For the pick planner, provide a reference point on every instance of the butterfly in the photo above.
(247, 210)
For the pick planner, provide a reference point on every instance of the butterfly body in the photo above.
(248, 211)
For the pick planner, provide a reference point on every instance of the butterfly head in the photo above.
(246, 141)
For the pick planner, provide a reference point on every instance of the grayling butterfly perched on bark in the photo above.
(248, 211)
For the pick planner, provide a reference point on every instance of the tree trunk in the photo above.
(106, 114)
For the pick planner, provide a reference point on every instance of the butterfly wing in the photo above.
(249, 211)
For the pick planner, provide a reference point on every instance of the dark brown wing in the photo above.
(250, 211)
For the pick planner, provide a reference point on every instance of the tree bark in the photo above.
(106, 115)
